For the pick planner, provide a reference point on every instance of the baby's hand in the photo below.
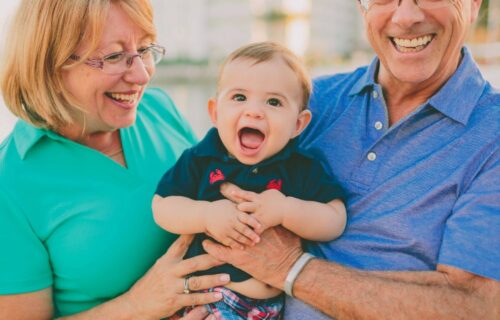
(230, 226)
(268, 207)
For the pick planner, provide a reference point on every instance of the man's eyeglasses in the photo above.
(120, 62)
(391, 5)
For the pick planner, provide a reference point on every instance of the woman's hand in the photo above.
(160, 292)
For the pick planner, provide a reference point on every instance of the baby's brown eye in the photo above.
(274, 102)
(239, 97)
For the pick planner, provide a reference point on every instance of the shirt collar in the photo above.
(212, 146)
(367, 80)
(460, 94)
(456, 99)
(26, 136)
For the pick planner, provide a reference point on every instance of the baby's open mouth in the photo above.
(251, 138)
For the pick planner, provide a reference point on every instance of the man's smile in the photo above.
(412, 44)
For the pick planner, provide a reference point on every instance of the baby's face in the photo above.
(257, 110)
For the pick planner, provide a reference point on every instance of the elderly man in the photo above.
(414, 140)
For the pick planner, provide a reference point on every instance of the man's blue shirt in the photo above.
(422, 192)
(201, 170)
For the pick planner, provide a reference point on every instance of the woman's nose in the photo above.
(138, 72)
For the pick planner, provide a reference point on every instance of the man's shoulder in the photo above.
(486, 113)
(490, 98)
(339, 82)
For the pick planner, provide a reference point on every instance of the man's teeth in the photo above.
(412, 45)
(130, 98)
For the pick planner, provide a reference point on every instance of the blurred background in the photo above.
(328, 34)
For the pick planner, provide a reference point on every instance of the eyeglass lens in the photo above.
(121, 62)
(389, 5)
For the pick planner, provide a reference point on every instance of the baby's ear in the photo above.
(302, 122)
(212, 111)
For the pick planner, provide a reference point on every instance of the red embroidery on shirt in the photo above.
(274, 184)
(216, 175)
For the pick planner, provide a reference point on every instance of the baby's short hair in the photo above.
(265, 51)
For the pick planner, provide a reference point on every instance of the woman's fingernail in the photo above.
(217, 295)
(211, 317)
(224, 277)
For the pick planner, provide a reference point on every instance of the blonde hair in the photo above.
(43, 36)
(267, 50)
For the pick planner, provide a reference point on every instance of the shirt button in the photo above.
(375, 94)
(378, 125)
(372, 156)
(255, 170)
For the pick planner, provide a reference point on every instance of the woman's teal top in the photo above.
(74, 219)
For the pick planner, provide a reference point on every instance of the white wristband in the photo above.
(295, 270)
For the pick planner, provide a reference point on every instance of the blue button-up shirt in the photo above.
(422, 192)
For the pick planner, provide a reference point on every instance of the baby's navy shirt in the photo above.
(201, 170)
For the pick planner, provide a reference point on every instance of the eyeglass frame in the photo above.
(366, 3)
(98, 63)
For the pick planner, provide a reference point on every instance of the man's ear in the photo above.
(474, 13)
(212, 111)
(302, 121)
(360, 7)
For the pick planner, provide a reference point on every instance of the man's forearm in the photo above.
(351, 294)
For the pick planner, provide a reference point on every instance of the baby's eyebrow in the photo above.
(237, 89)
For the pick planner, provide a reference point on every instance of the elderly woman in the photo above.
(79, 170)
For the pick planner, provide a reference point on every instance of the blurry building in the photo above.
(336, 29)
(199, 30)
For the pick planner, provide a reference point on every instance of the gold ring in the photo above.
(186, 286)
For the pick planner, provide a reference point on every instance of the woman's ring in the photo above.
(186, 286)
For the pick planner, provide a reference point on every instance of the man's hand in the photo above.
(277, 252)
(230, 226)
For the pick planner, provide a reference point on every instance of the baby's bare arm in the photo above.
(316, 221)
(310, 220)
(180, 215)
(219, 219)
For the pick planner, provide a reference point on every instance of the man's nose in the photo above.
(407, 14)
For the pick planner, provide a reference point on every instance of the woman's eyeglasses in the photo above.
(120, 62)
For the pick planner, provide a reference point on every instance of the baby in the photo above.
(259, 110)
